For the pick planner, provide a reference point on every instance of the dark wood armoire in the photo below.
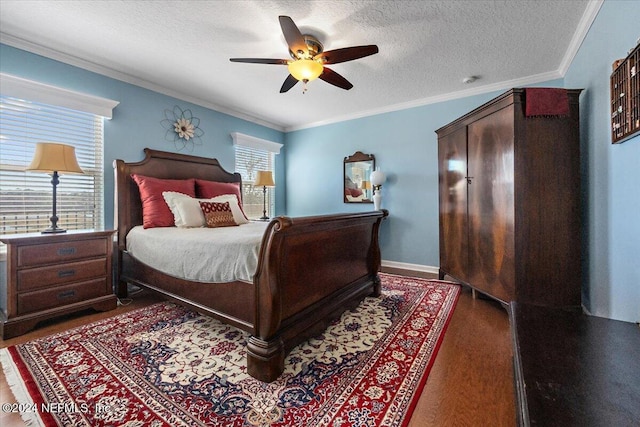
(509, 193)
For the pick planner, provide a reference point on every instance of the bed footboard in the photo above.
(310, 270)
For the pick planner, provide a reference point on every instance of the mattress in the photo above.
(210, 255)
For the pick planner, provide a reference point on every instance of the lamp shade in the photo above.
(264, 179)
(305, 69)
(54, 157)
(377, 178)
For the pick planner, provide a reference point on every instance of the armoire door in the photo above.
(490, 155)
(452, 158)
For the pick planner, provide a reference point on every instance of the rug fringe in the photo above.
(18, 389)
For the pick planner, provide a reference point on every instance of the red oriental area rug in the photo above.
(164, 365)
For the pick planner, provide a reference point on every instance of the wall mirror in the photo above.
(357, 178)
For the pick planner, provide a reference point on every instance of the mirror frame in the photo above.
(360, 163)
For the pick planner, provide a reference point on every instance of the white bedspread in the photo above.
(211, 255)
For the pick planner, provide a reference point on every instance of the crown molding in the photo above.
(585, 23)
(504, 85)
(127, 78)
(589, 15)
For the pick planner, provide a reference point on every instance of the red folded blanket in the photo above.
(546, 102)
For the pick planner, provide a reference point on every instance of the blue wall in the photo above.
(611, 172)
(136, 120)
(406, 149)
(405, 146)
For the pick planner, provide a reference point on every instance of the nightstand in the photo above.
(48, 275)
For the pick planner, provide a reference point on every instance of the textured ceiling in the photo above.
(182, 48)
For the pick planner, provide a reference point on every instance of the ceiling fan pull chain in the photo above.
(304, 86)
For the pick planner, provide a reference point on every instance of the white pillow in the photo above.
(185, 209)
(187, 213)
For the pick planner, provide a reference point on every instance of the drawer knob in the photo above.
(66, 294)
(67, 251)
(66, 273)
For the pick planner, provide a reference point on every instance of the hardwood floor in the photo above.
(470, 383)
(471, 380)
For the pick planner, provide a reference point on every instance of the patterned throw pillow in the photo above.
(217, 214)
(210, 189)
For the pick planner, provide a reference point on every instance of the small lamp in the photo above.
(264, 179)
(377, 179)
(54, 158)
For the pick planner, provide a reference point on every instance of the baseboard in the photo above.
(412, 267)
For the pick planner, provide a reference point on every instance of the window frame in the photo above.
(90, 110)
(265, 153)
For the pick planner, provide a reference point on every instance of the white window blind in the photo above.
(26, 197)
(248, 161)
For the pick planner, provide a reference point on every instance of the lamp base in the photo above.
(377, 200)
(54, 218)
(264, 216)
(51, 230)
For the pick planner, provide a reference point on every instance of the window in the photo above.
(252, 155)
(248, 161)
(26, 197)
(31, 112)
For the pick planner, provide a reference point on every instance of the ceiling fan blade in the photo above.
(288, 83)
(260, 61)
(293, 36)
(347, 54)
(335, 79)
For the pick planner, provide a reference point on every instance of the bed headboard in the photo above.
(160, 164)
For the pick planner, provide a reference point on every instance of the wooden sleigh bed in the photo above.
(310, 269)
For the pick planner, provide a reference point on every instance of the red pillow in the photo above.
(155, 211)
(210, 189)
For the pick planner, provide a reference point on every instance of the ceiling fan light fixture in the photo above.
(310, 58)
(305, 69)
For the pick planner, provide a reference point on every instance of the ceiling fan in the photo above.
(309, 58)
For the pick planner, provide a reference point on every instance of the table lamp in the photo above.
(377, 179)
(264, 179)
(54, 158)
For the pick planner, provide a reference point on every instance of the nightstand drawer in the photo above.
(63, 295)
(61, 252)
(34, 278)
